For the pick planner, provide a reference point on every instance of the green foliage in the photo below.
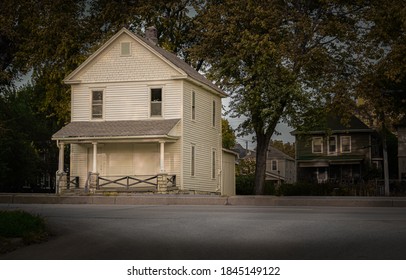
(228, 136)
(245, 185)
(25, 139)
(245, 166)
(32, 228)
(278, 60)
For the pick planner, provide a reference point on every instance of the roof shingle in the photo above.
(94, 129)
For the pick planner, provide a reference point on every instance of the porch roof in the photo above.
(324, 161)
(87, 130)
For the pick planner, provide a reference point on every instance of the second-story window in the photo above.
(97, 104)
(332, 145)
(274, 165)
(156, 102)
(214, 114)
(345, 144)
(193, 105)
(317, 145)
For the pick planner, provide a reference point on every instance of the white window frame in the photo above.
(92, 117)
(276, 165)
(341, 144)
(193, 106)
(122, 48)
(156, 102)
(314, 139)
(328, 145)
(192, 160)
(213, 163)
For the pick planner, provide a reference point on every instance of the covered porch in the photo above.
(348, 172)
(140, 156)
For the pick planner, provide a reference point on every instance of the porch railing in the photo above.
(72, 181)
(148, 182)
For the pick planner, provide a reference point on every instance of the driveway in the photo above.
(217, 232)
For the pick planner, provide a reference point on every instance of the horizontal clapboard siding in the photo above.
(141, 65)
(126, 101)
(204, 137)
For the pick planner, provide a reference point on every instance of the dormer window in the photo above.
(125, 48)
(156, 102)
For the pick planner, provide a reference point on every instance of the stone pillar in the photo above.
(61, 182)
(162, 183)
(93, 182)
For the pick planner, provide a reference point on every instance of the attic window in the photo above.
(125, 48)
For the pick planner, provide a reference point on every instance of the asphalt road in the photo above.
(217, 232)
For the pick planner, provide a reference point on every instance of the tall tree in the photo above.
(228, 136)
(278, 59)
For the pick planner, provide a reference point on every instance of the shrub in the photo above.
(31, 228)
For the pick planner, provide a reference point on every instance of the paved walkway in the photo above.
(175, 199)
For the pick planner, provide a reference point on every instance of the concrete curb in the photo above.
(157, 199)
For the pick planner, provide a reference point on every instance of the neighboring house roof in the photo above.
(334, 124)
(118, 129)
(243, 152)
(275, 153)
(169, 58)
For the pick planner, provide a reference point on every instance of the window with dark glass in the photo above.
(317, 145)
(274, 164)
(332, 145)
(193, 105)
(214, 114)
(97, 104)
(193, 160)
(156, 102)
(345, 144)
(213, 164)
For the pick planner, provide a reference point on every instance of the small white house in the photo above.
(142, 118)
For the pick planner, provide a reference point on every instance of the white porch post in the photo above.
(94, 157)
(162, 156)
(61, 157)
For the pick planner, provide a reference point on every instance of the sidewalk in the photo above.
(161, 199)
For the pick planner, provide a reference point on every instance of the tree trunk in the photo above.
(261, 154)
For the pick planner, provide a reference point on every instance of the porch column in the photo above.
(61, 157)
(61, 178)
(94, 170)
(162, 156)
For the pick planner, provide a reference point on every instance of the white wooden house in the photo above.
(141, 117)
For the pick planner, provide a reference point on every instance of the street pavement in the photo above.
(126, 232)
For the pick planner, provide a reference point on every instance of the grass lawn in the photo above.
(19, 228)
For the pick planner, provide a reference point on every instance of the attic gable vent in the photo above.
(125, 48)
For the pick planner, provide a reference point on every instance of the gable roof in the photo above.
(333, 123)
(275, 153)
(168, 57)
(116, 129)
